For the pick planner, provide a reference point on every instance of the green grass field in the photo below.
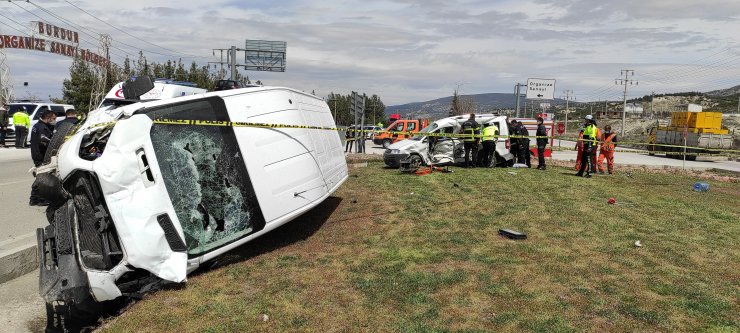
(377, 258)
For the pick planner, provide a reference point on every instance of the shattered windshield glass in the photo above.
(205, 176)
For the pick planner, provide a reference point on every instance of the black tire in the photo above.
(57, 140)
(416, 161)
(387, 143)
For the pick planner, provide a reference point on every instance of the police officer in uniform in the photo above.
(471, 129)
(21, 122)
(589, 143)
(514, 142)
(524, 154)
(40, 138)
(541, 143)
(489, 143)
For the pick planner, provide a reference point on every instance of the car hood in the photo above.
(404, 145)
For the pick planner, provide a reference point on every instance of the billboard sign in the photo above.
(265, 55)
(540, 88)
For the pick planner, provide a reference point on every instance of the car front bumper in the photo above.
(393, 160)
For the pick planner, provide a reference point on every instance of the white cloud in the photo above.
(413, 50)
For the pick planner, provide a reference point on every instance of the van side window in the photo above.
(40, 112)
(58, 110)
(411, 127)
(399, 127)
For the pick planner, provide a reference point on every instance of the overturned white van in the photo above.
(423, 149)
(137, 201)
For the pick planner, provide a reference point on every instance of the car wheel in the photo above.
(416, 161)
(387, 143)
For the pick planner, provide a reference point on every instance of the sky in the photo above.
(411, 50)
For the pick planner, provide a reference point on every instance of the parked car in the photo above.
(446, 150)
(34, 110)
(373, 130)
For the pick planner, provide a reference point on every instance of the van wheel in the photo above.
(387, 143)
(57, 140)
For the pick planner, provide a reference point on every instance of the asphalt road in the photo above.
(18, 218)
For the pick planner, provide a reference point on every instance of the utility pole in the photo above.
(230, 61)
(652, 102)
(568, 94)
(625, 81)
(738, 104)
(518, 94)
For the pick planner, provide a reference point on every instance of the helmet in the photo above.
(589, 117)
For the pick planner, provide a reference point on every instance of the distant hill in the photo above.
(440, 108)
(724, 92)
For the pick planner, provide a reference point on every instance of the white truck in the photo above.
(423, 150)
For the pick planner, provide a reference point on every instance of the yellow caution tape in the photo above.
(192, 122)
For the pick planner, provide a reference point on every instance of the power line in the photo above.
(132, 36)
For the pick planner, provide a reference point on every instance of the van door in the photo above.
(400, 127)
(410, 127)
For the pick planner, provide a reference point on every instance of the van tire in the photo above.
(57, 140)
(387, 143)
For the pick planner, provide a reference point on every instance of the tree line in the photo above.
(83, 77)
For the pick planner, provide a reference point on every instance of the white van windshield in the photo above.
(421, 133)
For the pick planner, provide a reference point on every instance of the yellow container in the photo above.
(715, 131)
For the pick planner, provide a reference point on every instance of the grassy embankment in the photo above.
(376, 257)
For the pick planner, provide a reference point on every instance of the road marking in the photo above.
(16, 182)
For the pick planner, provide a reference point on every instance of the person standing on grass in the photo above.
(489, 144)
(524, 153)
(471, 130)
(579, 149)
(589, 141)
(541, 143)
(514, 142)
(608, 143)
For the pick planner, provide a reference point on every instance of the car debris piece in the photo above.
(144, 195)
(508, 233)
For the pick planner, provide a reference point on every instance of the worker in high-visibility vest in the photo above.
(21, 122)
(579, 148)
(608, 143)
(489, 144)
(595, 149)
(589, 141)
(471, 130)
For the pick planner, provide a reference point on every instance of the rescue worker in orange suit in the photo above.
(579, 148)
(608, 143)
(471, 129)
(589, 143)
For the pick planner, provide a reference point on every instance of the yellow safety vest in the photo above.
(489, 133)
(589, 133)
(21, 119)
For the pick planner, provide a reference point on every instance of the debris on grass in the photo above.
(508, 233)
(512, 173)
(638, 244)
(701, 187)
